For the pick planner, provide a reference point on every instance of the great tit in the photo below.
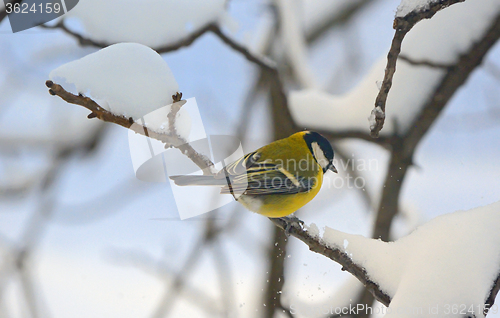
(277, 179)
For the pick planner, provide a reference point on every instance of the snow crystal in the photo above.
(377, 112)
(450, 261)
(128, 79)
(312, 229)
(408, 6)
(158, 121)
(150, 22)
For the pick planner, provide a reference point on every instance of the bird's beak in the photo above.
(332, 168)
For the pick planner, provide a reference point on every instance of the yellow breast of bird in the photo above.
(295, 160)
(280, 205)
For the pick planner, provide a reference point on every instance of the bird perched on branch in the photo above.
(277, 179)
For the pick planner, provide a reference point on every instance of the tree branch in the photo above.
(85, 41)
(404, 146)
(427, 63)
(316, 245)
(171, 140)
(402, 25)
(336, 19)
(456, 77)
(281, 111)
(265, 64)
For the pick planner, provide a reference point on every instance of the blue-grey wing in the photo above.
(268, 179)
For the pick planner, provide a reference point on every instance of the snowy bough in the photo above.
(447, 267)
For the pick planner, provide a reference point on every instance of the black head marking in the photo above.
(311, 137)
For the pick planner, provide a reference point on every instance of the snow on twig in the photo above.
(171, 140)
(402, 25)
(317, 245)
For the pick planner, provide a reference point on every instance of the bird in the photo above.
(274, 180)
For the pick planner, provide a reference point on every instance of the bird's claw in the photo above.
(291, 221)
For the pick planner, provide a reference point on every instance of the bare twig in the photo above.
(424, 63)
(379, 111)
(212, 27)
(402, 25)
(259, 60)
(86, 41)
(336, 19)
(281, 112)
(82, 40)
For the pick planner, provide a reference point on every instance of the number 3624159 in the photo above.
(34, 8)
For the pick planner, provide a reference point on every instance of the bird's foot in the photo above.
(291, 222)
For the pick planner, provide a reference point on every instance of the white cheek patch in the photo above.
(320, 155)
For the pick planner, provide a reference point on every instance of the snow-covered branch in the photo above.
(456, 76)
(409, 273)
(315, 244)
(267, 65)
(402, 24)
(170, 140)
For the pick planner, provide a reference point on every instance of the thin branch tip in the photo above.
(177, 97)
(402, 25)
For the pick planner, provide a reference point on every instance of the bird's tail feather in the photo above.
(198, 181)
